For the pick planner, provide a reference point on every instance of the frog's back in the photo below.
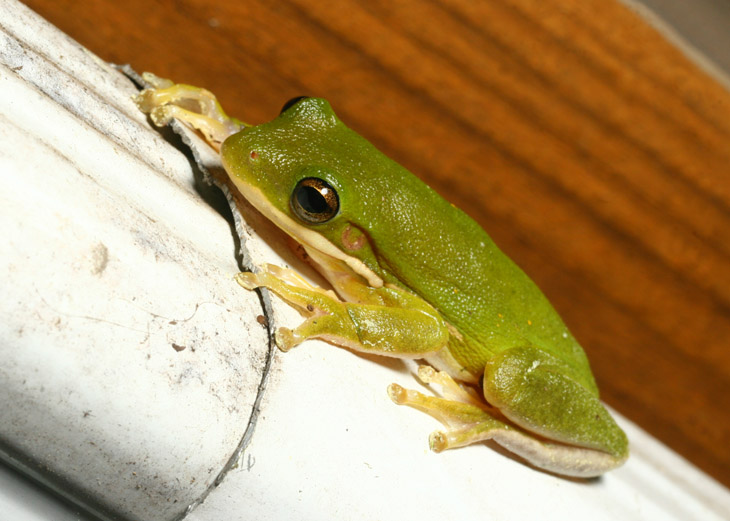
(440, 253)
(424, 243)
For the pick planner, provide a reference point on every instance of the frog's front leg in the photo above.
(197, 107)
(388, 322)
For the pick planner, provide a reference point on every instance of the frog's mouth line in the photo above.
(305, 236)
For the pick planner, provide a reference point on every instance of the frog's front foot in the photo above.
(321, 307)
(196, 107)
(276, 279)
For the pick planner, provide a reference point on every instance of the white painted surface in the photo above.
(24, 500)
(330, 445)
(81, 170)
(130, 357)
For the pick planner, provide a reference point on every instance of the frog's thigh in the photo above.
(530, 387)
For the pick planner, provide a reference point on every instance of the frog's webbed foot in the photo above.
(196, 107)
(467, 417)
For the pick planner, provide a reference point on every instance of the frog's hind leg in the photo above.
(469, 419)
(534, 390)
(466, 416)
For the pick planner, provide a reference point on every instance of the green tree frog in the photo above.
(413, 277)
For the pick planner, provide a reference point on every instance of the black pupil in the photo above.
(292, 102)
(311, 200)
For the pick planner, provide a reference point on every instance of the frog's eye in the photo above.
(314, 201)
(292, 102)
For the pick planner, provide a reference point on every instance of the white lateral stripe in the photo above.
(304, 235)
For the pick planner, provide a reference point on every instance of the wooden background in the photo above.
(595, 154)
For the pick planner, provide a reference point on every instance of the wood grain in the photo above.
(593, 151)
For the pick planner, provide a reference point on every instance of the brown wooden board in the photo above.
(592, 150)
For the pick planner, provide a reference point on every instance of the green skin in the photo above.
(464, 307)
